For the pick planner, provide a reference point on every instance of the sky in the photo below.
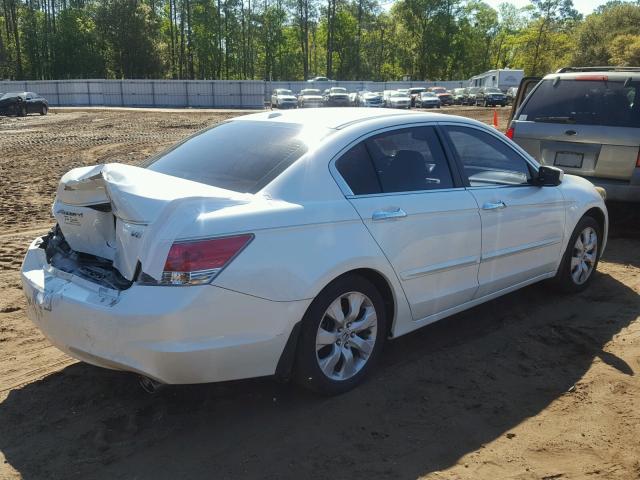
(583, 6)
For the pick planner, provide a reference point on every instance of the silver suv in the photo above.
(587, 122)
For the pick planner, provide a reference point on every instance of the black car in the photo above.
(336, 97)
(23, 103)
(490, 97)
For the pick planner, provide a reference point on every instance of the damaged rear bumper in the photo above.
(175, 335)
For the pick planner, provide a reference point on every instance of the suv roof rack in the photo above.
(598, 69)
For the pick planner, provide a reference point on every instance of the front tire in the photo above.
(580, 260)
(43, 110)
(342, 335)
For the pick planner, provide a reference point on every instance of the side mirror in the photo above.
(549, 176)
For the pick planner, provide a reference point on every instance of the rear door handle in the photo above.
(494, 205)
(570, 132)
(388, 214)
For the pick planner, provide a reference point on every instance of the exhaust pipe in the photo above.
(150, 385)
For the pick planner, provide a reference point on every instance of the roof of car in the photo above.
(336, 118)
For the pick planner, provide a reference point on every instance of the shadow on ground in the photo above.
(439, 393)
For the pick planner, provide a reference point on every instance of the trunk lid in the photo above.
(132, 215)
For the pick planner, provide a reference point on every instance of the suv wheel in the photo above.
(342, 335)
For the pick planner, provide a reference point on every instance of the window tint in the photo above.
(586, 102)
(241, 155)
(409, 160)
(487, 160)
(357, 170)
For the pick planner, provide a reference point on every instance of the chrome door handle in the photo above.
(494, 206)
(388, 214)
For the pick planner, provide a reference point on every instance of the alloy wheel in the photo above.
(584, 255)
(346, 336)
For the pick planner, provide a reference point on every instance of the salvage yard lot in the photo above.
(531, 385)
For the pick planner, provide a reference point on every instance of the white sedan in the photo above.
(297, 243)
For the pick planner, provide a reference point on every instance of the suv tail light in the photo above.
(509, 133)
(638, 160)
(197, 262)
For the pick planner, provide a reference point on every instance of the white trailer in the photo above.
(502, 79)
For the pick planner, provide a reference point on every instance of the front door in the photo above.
(522, 224)
(426, 224)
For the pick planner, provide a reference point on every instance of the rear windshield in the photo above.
(585, 102)
(243, 156)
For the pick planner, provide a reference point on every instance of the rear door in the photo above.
(424, 220)
(522, 224)
(587, 125)
(525, 87)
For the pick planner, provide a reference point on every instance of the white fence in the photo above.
(183, 93)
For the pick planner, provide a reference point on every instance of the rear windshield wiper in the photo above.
(555, 119)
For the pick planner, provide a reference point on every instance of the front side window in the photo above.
(487, 160)
(586, 102)
(242, 155)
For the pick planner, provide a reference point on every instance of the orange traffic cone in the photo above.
(495, 118)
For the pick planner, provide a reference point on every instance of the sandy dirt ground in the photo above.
(533, 385)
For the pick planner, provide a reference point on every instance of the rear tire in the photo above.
(581, 257)
(343, 333)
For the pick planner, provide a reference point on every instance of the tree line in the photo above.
(296, 39)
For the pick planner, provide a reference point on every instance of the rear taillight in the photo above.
(197, 262)
(638, 160)
(509, 133)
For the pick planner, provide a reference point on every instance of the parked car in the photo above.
(283, 98)
(319, 79)
(470, 95)
(353, 98)
(443, 94)
(415, 92)
(511, 94)
(310, 97)
(587, 122)
(396, 99)
(23, 103)
(458, 95)
(490, 97)
(427, 100)
(336, 97)
(369, 99)
(296, 244)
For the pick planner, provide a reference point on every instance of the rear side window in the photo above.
(410, 159)
(585, 102)
(357, 170)
(243, 156)
(406, 160)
